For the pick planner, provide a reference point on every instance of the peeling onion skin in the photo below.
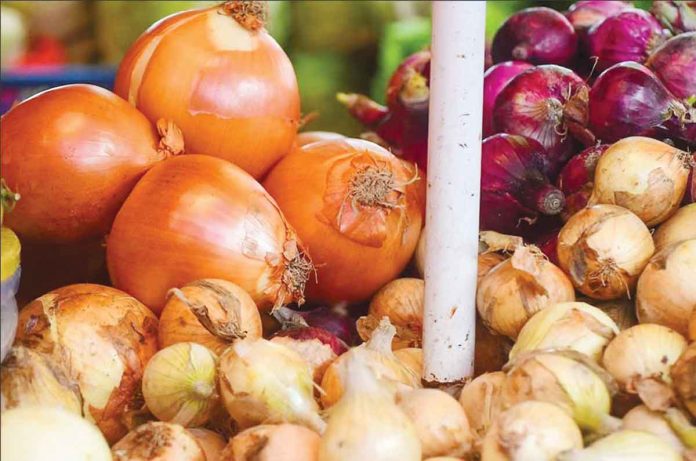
(680, 226)
(281, 442)
(236, 84)
(104, 337)
(157, 441)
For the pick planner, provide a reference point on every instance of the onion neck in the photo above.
(171, 138)
(250, 14)
(543, 197)
(295, 276)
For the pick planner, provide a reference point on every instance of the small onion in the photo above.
(575, 326)
(157, 441)
(625, 445)
(210, 312)
(529, 431)
(640, 359)
(684, 377)
(666, 292)
(518, 288)
(603, 249)
(482, 401)
(211, 442)
(643, 175)
(681, 226)
(267, 442)
(674, 63)
(49, 433)
(440, 421)
(641, 418)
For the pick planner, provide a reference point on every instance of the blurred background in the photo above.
(334, 45)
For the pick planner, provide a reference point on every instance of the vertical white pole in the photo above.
(454, 177)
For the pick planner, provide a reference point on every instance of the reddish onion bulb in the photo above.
(630, 35)
(576, 179)
(677, 16)
(674, 63)
(332, 320)
(586, 13)
(538, 35)
(494, 80)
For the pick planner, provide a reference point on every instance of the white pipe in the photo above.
(454, 177)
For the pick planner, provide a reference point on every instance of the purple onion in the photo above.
(331, 320)
(538, 35)
(674, 63)
(586, 13)
(677, 16)
(576, 179)
(494, 80)
(627, 36)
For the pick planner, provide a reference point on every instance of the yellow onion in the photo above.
(531, 431)
(411, 358)
(269, 442)
(265, 382)
(158, 441)
(482, 402)
(622, 311)
(402, 301)
(390, 372)
(575, 326)
(646, 176)
(211, 442)
(50, 433)
(366, 424)
(567, 379)
(684, 378)
(681, 226)
(666, 292)
(625, 445)
(440, 421)
(671, 426)
(640, 359)
(30, 378)
(209, 312)
(603, 249)
(179, 384)
(518, 288)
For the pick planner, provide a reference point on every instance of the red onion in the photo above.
(674, 63)
(512, 177)
(628, 100)
(547, 243)
(494, 80)
(308, 333)
(586, 13)
(627, 36)
(538, 35)
(328, 319)
(576, 179)
(546, 103)
(677, 16)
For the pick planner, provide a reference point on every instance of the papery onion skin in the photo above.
(316, 346)
(683, 375)
(576, 179)
(74, 153)
(211, 442)
(215, 221)
(482, 402)
(674, 63)
(680, 226)
(678, 16)
(219, 115)
(121, 334)
(282, 442)
(158, 441)
(357, 204)
(494, 80)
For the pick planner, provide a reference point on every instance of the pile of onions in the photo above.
(537, 35)
(482, 402)
(494, 80)
(643, 175)
(219, 115)
(671, 426)
(683, 375)
(74, 154)
(118, 331)
(210, 312)
(674, 63)
(576, 179)
(625, 444)
(273, 442)
(604, 248)
(666, 293)
(678, 16)
(158, 441)
(677, 228)
(214, 221)
(357, 204)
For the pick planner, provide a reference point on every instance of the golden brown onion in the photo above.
(269, 442)
(211, 442)
(681, 226)
(482, 401)
(157, 441)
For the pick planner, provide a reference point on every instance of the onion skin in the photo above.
(282, 442)
(157, 441)
(494, 80)
(211, 442)
(74, 153)
(482, 402)
(307, 343)
(346, 222)
(576, 179)
(674, 63)
(219, 115)
(215, 221)
(537, 35)
(330, 319)
(120, 333)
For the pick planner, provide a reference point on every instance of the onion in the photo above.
(641, 418)
(400, 300)
(690, 196)
(43, 433)
(215, 221)
(674, 63)
(518, 288)
(219, 115)
(640, 359)
(531, 430)
(545, 103)
(332, 319)
(683, 375)
(643, 175)
(603, 249)
(678, 16)
(482, 402)
(628, 99)
(157, 441)
(494, 80)
(576, 179)
(440, 422)
(586, 13)
(74, 153)
(625, 444)
(629, 35)
(265, 382)
(282, 442)
(537, 35)
(681, 226)
(210, 312)
(211, 442)
(309, 137)
(411, 358)
(104, 338)
(621, 311)
(357, 204)
(666, 292)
